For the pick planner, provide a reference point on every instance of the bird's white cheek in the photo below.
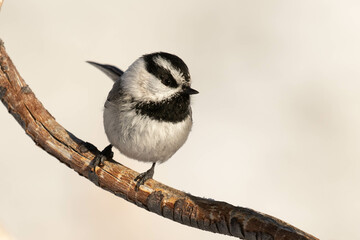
(149, 88)
(159, 91)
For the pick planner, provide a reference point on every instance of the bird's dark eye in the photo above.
(164, 77)
(167, 79)
(163, 74)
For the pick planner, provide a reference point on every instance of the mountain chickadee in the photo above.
(147, 113)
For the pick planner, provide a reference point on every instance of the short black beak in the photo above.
(190, 91)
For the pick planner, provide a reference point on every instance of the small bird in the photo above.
(147, 114)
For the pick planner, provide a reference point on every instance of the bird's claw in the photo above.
(105, 155)
(142, 177)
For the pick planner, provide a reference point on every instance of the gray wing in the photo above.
(115, 94)
(114, 73)
(111, 71)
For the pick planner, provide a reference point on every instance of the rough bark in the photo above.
(206, 214)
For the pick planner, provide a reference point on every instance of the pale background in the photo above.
(277, 120)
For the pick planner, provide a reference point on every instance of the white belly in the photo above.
(144, 139)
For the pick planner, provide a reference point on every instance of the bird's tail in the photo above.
(111, 71)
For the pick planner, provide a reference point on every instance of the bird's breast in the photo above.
(142, 137)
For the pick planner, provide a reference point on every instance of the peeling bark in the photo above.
(201, 213)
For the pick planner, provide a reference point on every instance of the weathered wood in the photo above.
(206, 214)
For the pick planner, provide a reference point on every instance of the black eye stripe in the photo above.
(166, 78)
(177, 63)
(164, 74)
(161, 73)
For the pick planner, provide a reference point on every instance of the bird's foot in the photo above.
(105, 155)
(99, 159)
(142, 177)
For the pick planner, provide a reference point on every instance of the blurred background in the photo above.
(276, 123)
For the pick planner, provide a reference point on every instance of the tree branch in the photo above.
(206, 214)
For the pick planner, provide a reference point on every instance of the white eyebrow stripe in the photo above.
(179, 77)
